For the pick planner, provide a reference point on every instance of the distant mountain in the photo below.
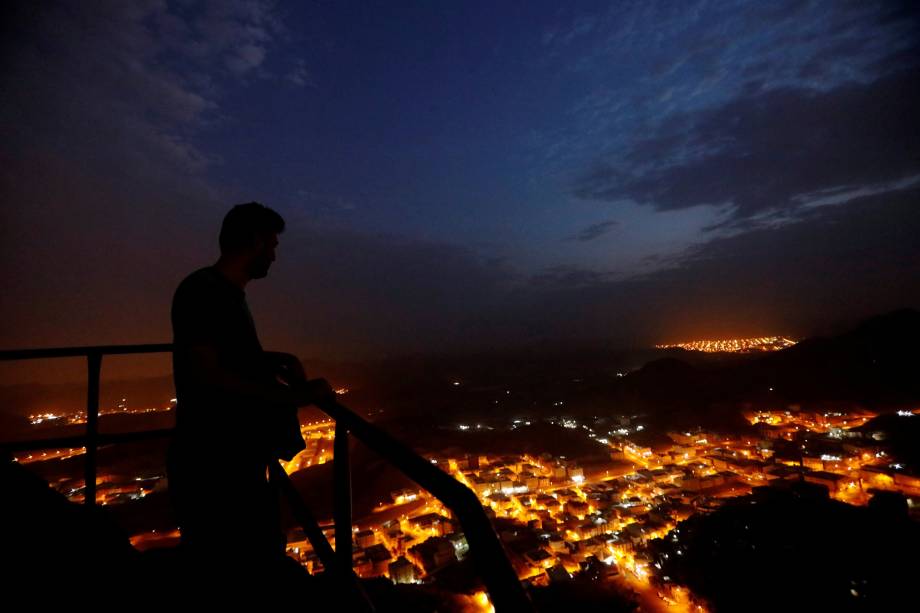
(874, 365)
(20, 400)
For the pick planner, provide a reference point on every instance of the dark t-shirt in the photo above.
(209, 309)
(217, 459)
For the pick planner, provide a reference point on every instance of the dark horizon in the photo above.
(72, 371)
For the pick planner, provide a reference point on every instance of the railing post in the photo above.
(94, 366)
(304, 517)
(342, 501)
(501, 581)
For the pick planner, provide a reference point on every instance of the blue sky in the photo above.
(478, 124)
(492, 172)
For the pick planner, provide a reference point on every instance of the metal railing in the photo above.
(489, 558)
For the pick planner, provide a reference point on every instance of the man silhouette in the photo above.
(231, 397)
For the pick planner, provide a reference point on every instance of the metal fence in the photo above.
(505, 590)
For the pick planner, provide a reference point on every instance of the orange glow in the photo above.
(763, 343)
(481, 600)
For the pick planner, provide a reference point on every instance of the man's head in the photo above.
(250, 233)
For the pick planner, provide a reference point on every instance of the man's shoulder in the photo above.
(205, 274)
(198, 304)
(202, 279)
(197, 289)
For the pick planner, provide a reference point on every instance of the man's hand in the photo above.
(285, 366)
(300, 391)
(318, 392)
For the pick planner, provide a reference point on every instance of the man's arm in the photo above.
(286, 366)
(203, 361)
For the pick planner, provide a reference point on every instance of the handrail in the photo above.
(76, 352)
(500, 580)
(93, 354)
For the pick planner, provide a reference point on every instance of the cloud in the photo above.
(128, 86)
(595, 231)
(829, 265)
(246, 58)
(300, 75)
(568, 277)
(766, 151)
(647, 64)
(564, 34)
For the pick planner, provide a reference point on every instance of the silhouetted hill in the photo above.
(791, 548)
(874, 365)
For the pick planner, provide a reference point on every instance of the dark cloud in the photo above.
(567, 277)
(833, 264)
(595, 231)
(129, 87)
(760, 152)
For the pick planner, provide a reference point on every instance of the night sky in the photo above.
(462, 174)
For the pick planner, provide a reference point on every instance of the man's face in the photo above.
(263, 255)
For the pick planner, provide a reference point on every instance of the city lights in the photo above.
(737, 345)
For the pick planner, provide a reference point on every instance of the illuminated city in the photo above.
(78, 417)
(560, 519)
(598, 520)
(734, 345)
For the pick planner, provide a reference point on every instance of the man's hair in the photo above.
(244, 223)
